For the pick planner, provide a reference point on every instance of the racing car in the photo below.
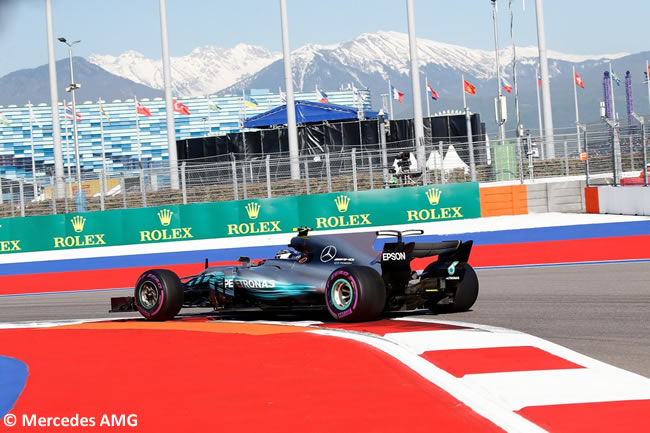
(341, 273)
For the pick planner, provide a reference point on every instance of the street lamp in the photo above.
(81, 205)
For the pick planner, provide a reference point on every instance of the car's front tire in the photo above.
(158, 294)
(355, 294)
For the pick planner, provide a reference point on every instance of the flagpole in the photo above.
(390, 100)
(514, 69)
(209, 115)
(647, 68)
(243, 120)
(101, 137)
(67, 143)
(575, 95)
(611, 77)
(426, 92)
(462, 84)
(137, 131)
(31, 139)
(539, 113)
(470, 141)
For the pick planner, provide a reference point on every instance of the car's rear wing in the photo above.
(402, 252)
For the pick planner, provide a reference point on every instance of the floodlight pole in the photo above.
(415, 84)
(546, 84)
(54, 102)
(498, 105)
(169, 108)
(294, 160)
(81, 199)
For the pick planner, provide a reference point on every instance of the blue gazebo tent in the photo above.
(306, 112)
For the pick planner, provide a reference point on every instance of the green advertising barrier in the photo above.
(241, 218)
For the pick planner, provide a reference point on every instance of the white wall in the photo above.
(624, 200)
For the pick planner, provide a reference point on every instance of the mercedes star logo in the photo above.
(328, 254)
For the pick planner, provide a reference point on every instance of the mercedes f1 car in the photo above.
(340, 273)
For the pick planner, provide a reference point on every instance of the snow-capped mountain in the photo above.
(210, 69)
(203, 71)
(372, 59)
(368, 62)
(387, 53)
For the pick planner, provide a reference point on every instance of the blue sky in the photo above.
(114, 26)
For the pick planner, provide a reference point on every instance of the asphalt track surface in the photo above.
(600, 310)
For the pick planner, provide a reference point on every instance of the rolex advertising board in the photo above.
(379, 207)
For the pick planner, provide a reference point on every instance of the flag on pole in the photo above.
(104, 113)
(579, 81)
(283, 97)
(468, 88)
(505, 85)
(433, 93)
(250, 102)
(141, 109)
(322, 96)
(180, 108)
(4, 120)
(358, 96)
(213, 105)
(68, 114)
(397, 95)
(616, 79)
(33, 118)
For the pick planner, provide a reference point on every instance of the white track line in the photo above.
(493, 411)
(519, 389)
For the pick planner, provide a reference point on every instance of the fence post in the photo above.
(52, 194)
(233, 166)
(531, 164)
(614, 156)
(267, 164)
(372, 181)
(442, 163)
(328, 172)
(183, 182)
(244, 185)
(521, 160)
(587, 159)
(21, 189)
(123, 191)
(11, 199)
(354, 169)
(384, 156)
(143, 192)
(308, 189)
(66, 193)
(423, 169)
(102, 188)
(566, 157)
(645, 155)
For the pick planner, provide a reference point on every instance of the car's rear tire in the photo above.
(158, 294)
(355, 294)
(466, 291)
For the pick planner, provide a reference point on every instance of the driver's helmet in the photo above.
(286, 254)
